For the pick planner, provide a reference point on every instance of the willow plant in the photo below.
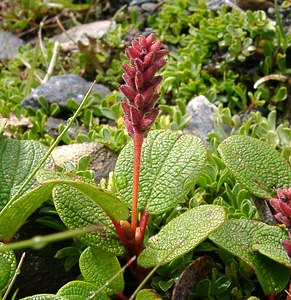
(140, 111)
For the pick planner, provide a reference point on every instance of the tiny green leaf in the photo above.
(77, 211)
(98, 267)
(80, 290)
(108, 202)
(181, 235)
(18, 160)
(170, 164)
(148, 295)
(267, 241)
(255, 164)
(8, 266)
(237, 237)
(45, 297)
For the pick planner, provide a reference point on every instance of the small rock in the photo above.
(9, 45)
(201, 111)
(149, 7)
(69, 40)
(52, 128)
(102, 159)
(61, 88)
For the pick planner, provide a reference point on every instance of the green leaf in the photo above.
(267, 242)
(80, 290)
(77, 211)
(45, 297)
(148, 295)
(169, 167)
(256, 165)
(108, 202)
(98, 267)
(181, 235)
(18, 160)
(15, 213)
(8, 266)
(237, 237)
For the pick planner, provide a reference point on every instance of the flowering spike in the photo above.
(132, 53)
(138, 81)
(150, 38)
(128, 70)
(128, 80)
(160, 63)
(156, 81)
(128, 92)
(139, 100)
(135, 44)
(143, 41)
(138, 64)
(146, 58)
(161, 53)
(155, 47)
(149, 58)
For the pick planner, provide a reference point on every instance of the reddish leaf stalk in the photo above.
(138, 138)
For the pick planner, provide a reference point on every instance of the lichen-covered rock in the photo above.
(9, 45)
(102, 159)
(61, 88)
(201, 111)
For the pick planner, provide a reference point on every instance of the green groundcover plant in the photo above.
(154, 175)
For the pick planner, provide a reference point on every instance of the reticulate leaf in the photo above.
(81, 290)
(108, 202)
(148, 295)
(267, 241)
(237, 237)
(181, 235)
(18, 160)
(44, 297)
(255, 164)
(15, 213)
(98, 267)
(8, 266)
(170, 164)
(77, 211)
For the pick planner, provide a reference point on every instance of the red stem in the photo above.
(137, 139)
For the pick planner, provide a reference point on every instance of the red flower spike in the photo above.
(135, 44)
(143, 41)
(149, 58)
(139, 100)
(130, 71)
(287, 245)
(285, 209)
(150, 38)
(149, 73)
(128, 92)
(156, 81)
(155, 47)
(146, 58)
(161, 53)
(128, 80)
(138, 81)
(160, 63)
(132, 53)
(138, 64)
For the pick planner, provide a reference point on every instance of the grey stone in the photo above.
(61, 88)
(52, 128)
(102, 159)
(69, 40)
(9, 45)
(202, 122)
(149, 7)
